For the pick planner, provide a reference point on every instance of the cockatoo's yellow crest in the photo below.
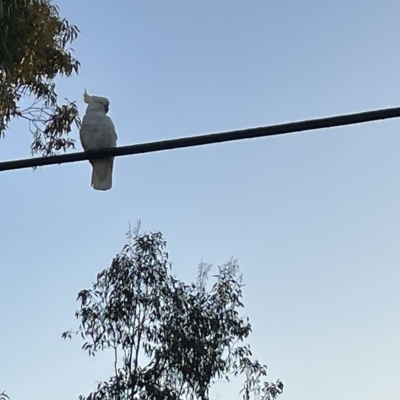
(86, 97)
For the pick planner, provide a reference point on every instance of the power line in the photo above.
(191, 141)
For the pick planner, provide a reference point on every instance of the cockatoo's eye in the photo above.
(105, 108)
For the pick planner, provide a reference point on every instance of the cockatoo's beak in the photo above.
(106, 108)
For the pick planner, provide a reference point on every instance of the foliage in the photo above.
(13, 36)
(33, 51)
(170, 340)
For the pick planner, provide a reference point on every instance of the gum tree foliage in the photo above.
(170, 340)
(34, 50)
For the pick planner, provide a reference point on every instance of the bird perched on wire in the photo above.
(98, 132)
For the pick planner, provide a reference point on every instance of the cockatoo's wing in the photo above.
(103, 168)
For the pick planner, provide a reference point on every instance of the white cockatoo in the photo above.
(98, 132)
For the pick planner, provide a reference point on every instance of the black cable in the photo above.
(329, 122)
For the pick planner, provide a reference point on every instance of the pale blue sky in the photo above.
(313, 218)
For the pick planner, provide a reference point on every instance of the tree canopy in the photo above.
(170, 340)
(34, 50)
